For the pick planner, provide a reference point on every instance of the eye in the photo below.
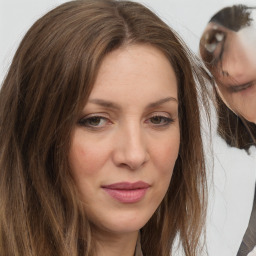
(94, 122)
(214, 44)
(212, 39)
(160, 120)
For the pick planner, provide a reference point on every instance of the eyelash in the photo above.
(85, 122)
(166, 120)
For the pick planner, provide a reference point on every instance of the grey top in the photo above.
(138, 251)
(249, 239)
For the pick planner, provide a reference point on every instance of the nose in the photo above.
(130, 149)
(235, 60)
(233, 68)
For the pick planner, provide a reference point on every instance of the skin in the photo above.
(137, 139)
(236, 70)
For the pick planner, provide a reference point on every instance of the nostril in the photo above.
(131, 158)
(135, 161)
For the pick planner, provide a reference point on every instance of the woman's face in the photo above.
(236, 72)
(125, 144)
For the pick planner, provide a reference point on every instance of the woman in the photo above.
(227, 47)
(86, 162)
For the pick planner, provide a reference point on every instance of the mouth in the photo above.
(239, 88)
(126, 192)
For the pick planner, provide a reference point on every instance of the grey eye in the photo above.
(157, 119)
(212, 39)
(219, 36)
(210, 47)
(94, 121)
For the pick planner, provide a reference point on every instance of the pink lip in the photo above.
(126, 192)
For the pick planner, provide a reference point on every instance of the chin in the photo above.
(124, 223)
(131, 226)
(251, 120)
(249, 116)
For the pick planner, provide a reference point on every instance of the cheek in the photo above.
(165, 157)
(85, 159)
(166, 154)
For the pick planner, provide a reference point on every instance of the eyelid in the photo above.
(159, 113)
(100, 114)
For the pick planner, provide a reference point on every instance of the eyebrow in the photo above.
(161, 102)
(112, 105)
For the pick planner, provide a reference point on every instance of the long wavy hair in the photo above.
(233, 128)
(48, 84)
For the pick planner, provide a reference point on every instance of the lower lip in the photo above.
(127, 196)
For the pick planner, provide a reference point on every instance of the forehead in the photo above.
(138, 68)
(137, 54)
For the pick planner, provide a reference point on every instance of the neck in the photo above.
(109, 244)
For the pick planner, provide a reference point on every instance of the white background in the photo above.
(188, 17)
(234, 171)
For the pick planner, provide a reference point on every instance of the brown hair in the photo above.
(49, 81)
(234, 129)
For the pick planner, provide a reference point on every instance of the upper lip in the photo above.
(127, 185)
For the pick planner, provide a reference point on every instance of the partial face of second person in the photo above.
(124, 146)
(237, 72)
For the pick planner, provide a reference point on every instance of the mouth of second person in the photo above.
(239, 88)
